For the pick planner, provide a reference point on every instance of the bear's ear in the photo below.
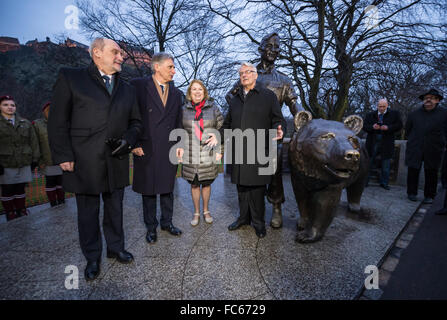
(354, 123)
(301, 119)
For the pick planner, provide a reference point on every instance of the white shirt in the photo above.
(109, 75)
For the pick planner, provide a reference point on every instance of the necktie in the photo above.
(108, 83)
(162, 88)
(10, 121)
(380, 118)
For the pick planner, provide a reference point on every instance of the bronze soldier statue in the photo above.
(281, 85)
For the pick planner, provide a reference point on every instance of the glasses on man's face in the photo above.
(246, 72)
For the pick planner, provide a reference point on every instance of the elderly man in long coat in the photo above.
(93, 124)
(254, 107)
(425, 130)
(154, 174)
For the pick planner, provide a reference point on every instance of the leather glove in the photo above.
(2, 170)
(120, 147)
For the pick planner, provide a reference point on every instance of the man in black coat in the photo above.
(425, 129)
(254, 107)
(92, 126)
(160, 105)
(381, 126)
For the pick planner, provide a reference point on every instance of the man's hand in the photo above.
(211, 142)
(179, 152)
(384, 127)
(376, 126)
(67, 166)
(218, 156)
(279, 133)
(138, 152)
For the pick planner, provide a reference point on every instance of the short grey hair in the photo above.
(97, 43)
(383, 99)
(247, 64)
(159, 58)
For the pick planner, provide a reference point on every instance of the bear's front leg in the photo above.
(321, 210)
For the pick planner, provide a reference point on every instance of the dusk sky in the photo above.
(30, 19)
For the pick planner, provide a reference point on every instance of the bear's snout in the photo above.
(352, 155)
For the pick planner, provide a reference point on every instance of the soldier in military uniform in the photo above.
(281, 85)
(19, 154)
(53, 173)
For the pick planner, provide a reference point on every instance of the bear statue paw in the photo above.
(304, 237)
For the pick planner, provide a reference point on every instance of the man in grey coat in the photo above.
(425, 129)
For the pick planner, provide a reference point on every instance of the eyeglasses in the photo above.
(246, 72)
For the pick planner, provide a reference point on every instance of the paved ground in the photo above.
(421, 271)
(207, 261)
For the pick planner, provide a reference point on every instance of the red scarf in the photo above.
(198, 119)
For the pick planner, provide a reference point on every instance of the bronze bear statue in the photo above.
(325, 157)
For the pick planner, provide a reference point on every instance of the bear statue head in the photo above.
(324, 149)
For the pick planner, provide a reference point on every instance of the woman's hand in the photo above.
(212, 141)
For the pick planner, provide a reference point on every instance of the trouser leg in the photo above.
(167, 207)
(412, 181)
(113, 220)
(431, 182)
(244, 208)
(257, 207)
(88, 225)
(150, 212)
(385, 175)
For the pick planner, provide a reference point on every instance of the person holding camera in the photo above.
(381, 126)
(19, 156)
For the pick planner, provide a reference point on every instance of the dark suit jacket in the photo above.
(392, 119)
(83, 115)
(154, 173)
(260, 110)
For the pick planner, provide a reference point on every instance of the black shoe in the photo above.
(260, 233)
(385, 186)
(236, 225)
(53, 203)
(151, 236)
(62, 201)
(92, 270)
(122, 257)
(412, 197)
(172, 230)
(441, 212)
(427, 200)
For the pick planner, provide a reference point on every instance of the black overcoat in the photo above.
(153, 172)
(391, 119)
(259, 110)
(426, 137)
(83, 116)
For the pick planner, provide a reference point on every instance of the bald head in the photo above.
(107, 55)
